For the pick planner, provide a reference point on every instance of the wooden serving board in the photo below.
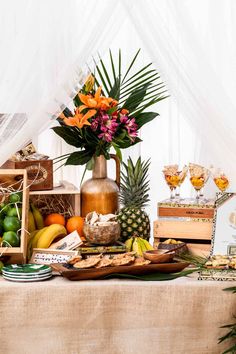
(94, 273)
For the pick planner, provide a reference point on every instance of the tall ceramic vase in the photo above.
(100, 193)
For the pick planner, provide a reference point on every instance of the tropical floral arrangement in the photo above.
(109, 111)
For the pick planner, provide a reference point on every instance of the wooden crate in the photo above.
(64, 200)
(201, 249)
(185, 209)
(18, 180)
(40, 172)
(197, 234)
(198, 230)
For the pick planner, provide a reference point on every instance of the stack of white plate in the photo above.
(26, 272)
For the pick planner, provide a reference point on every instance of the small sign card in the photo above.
(50, 256)
(70, 242)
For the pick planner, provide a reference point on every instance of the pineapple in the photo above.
(134, 197)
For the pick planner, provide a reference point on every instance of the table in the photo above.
(114, 316)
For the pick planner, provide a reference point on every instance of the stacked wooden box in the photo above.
(187, 222)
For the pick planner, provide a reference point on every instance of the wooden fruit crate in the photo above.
(196, 230)
(63, 200)
(197, 234)
(17, 179)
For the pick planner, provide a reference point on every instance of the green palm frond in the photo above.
(231, 335)
(135, 92)
(233, 289)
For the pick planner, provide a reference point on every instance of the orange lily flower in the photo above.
(79, 120)
(96, 102)
(89, 101)
(124, 111)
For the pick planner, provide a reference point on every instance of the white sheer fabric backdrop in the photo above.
(45, 46)
(191, 42)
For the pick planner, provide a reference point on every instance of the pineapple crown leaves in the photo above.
(134, 188)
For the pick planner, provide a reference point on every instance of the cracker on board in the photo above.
(74, 259)
(87, 263)
(123, 261)
(140, 261)
(104, 262)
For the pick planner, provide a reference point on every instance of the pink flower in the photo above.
(104, 118)
(133, 135)
(112, 125)
(94, 124)
(131, 125)
(106, 136)
(123, 119)
(108, 123)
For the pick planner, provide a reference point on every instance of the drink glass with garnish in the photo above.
(172, 179)
(220, 179)
(198, 177)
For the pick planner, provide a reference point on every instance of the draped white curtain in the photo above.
(191, 42)
(45, 48)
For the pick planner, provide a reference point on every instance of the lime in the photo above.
(1, 266)
(11, 238)
(13, 212)
(1, 226)
(11, 223)
(15, 197)
(4, 207)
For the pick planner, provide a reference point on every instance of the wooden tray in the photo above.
(94, 273)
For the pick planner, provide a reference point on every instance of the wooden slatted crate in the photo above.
(197, 234)
(186, 221)
(197, 230)
(64, 200)
(17, 180)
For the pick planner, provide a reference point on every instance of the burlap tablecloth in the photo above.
(114, 317)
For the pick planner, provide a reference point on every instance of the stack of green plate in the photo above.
(26, 272)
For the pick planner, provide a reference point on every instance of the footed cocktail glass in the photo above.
(172, 179)
(198, 177)
(220, 179)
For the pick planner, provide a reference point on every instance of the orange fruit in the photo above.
(54, 219)
(75, 223)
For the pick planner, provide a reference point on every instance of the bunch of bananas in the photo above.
(35, 219)
(138, 244)
(44, 237)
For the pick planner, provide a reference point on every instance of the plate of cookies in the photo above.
(99, 266)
